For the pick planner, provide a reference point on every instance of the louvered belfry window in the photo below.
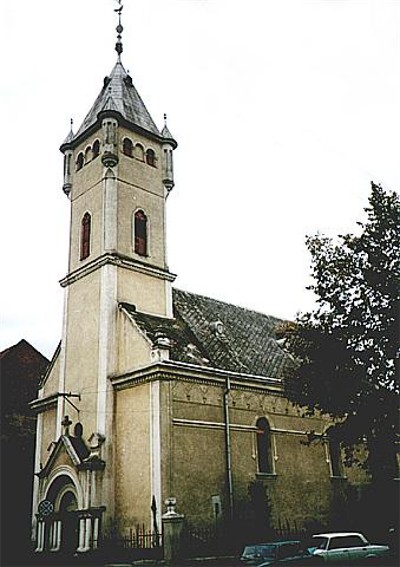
(140, 233)
(85, 236)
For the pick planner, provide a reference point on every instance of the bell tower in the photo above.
(118, 173)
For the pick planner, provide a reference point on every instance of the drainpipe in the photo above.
(228, 447)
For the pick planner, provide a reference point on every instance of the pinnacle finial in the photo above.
(120, 29)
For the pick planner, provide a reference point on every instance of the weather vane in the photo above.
(119, 28)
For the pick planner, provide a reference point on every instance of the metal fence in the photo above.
(138, 543)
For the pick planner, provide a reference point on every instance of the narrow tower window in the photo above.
(127, 147)
(85, 236)
(264, 451)
(96, 149)
(80, 160)
(88, 154)
(140, 233)
(150, 157)
(139, 152)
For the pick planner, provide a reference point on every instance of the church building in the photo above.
(155, 392)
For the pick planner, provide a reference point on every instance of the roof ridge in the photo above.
(230, 304)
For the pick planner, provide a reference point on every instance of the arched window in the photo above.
(96, 149)
(85, 236)
(264, 452)
(88, 154)
(140, 233)
(151, 157)
(80, 160)
(127, 147)
(139, 152)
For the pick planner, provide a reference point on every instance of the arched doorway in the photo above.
(62, 526)
(69, 522)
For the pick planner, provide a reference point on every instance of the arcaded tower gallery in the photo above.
(155, 392)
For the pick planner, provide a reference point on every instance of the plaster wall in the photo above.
(148, 293)
(299, 488)
(82, 346)
(132, 473)
(90, 201)
(48, 433)
(146, 176)
(133, 348)
(130, 199)
(52, 379)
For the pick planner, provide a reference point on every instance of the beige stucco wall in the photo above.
(82, 346)
(133, 348)
(148, 293)
(130, 199)
(132, 446)
(48, 433)
(50, 385)
(299, 491)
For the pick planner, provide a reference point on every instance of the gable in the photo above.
(49, 382)
(68, 450)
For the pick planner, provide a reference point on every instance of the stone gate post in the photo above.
(172, 529)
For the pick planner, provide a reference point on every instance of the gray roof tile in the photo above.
(213, 333)
(119, 94)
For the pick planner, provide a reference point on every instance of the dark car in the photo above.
(278, 553)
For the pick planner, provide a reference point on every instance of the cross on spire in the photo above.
(120, 29)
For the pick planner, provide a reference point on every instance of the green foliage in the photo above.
(347, 347)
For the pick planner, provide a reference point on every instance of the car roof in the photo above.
(330, 534)
(282, 542)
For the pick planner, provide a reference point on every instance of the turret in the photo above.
(68, 155)
(168, 167)
(109, 126)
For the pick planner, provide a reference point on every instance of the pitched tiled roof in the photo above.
(119, 94)
(213, 333)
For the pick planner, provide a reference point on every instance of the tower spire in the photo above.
(120, 29)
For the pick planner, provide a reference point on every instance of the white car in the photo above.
(345, 546)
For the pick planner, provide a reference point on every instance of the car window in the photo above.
(268, 550)
(251, 551)
(345, 541)
(320, 542)
(288, 550)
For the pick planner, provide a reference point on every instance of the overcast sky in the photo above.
(284, 111)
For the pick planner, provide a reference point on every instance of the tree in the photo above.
(347, 348)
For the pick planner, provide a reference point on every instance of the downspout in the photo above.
(228, 447)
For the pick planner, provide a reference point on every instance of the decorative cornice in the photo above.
(171, 370)
(120, 261)
(43, 404)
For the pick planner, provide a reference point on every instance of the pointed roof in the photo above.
(120, 95)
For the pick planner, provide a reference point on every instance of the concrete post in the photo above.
(172, 529)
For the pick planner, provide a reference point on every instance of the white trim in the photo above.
(62, 493)
(108, 287)
(117, 260)
(169, 308)
(35, 495)
(66, 471)
(155, 445)
(61, 379)
(110, 212)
